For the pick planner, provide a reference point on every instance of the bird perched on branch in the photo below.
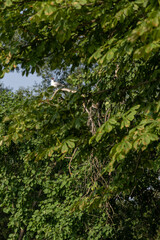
(60, 86)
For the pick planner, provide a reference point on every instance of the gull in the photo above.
(55, 84)
(60, 86)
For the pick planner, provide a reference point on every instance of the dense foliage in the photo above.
(82, 164)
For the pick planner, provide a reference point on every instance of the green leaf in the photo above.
(110, 54)
(108, 127)
(119, 148)
(136, 143)
(64, 148)
(91, 139)
(153, 137)
(77, 5)
(145, 139)
(99, 135)
(130, 117)
(49, 10)
(125, 123)
(155, 22)
(112, 121)
(83, 2)
(97, 54)
(8, 3)
(70, 143)
(127, 146)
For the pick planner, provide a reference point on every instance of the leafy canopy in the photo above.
(82, 165)
(74, 32)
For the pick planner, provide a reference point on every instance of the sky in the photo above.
(15, 80)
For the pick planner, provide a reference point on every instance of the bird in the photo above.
(55, 84)
(61, 86)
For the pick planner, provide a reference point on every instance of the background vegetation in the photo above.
(82, 165)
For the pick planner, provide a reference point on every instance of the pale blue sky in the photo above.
(16, 80)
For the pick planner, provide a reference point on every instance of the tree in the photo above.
(87, 162)
(76, 31)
